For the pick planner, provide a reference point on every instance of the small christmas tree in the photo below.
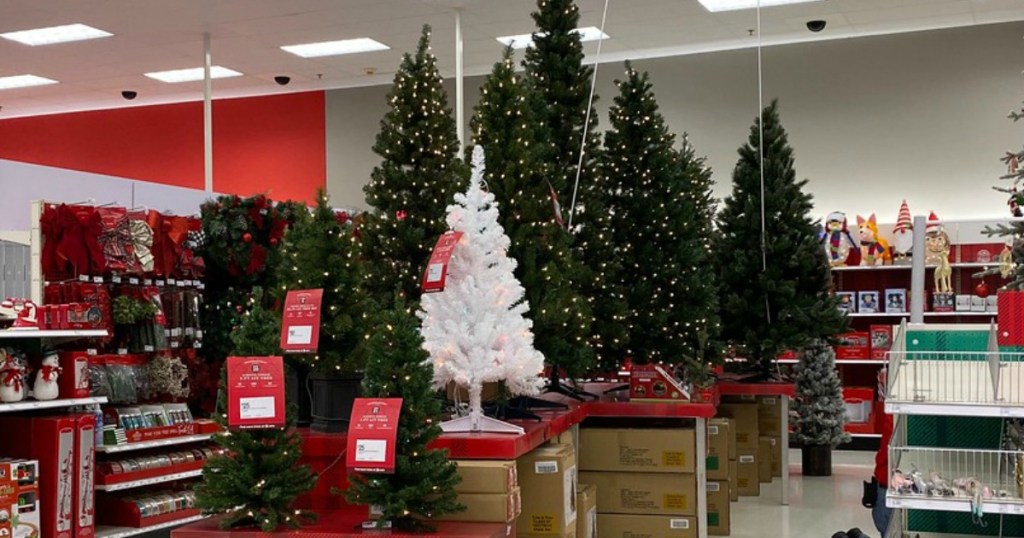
(256, 479)
(422, 486)
(775, 276)
(662, 215)
(415, 182)
(818, 407)
(474, 330)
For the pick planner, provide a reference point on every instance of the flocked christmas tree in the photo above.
(775, 299)
(503, 124)
(416, 180)
(258, 476)
(662, 210)
(818, 407)
(422, 487)
(475, 330)
(321, 251)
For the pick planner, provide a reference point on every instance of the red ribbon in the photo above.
(50, 373)
(12, 376)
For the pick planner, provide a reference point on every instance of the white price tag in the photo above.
(300, 335)
(122, 351)
(90, 352)
(170, 281)
(371, 450)
(83, 278)
(434, 272)
(160, 283)
(148, 349)
(147, 282)
(133, 281)
(175, 344)
(257, 407)
(115, 279)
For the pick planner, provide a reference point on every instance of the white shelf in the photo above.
(865, 435)
(123, 532)
(110, 449)
(30, 334)
(878, 314)
(954, 504)
(955, 265)
(150, 481)
(29, 405)
(959, 314)
(954, 410)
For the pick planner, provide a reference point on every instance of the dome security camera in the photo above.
(129, 94)
(282, 80)
(816, 25)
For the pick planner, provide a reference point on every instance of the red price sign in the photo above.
(437, 268)
(300, 321)
(372, 433)
(255, 392)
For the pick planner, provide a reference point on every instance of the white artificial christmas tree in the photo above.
(474, 330)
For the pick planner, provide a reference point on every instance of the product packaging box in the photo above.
(721, 448)
(745, 418)
(881, 341)
(963, 303)
(637, 450)
(853, 345)
(847, 301)
(896, 300)
(748, 475)
(978, 304)
(631, 526)
(764, 460)
(867, 302)
(74, 376)
(85, 485)
(488, 507)
(769, 415)
(657, 494)
(50, 441)
(19, 498)
(734, 487)
(586, 511)
(485, 476)
(991, 303)
(547, 480)
(718, 508)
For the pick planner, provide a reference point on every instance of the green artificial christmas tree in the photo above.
(415, 182)
(503, 125)
(258, 476)
(422, 488)
(818, 407)
(1014, 231)
(775, 295)
(662, 214)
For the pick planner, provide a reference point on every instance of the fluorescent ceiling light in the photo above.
(335, 48)
(56, 34)
(23, 81)
(193, 74)
(521, 41)
(715, 6)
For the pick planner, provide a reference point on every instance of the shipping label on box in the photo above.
(748, 478)
(644, 493)
(718, 508)
(485, 476)
(547, 481)
(720, 438)
(638, 526)
(745, 419)
(586, 507)
(641, 450)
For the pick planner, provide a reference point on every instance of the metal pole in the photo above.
(459, 83)
(207, 116)
(917, 272)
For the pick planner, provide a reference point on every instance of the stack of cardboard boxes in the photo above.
(489, 490)
(721, 460)
(547, 480)
(645, 479)
(769, 424)
(744, 415)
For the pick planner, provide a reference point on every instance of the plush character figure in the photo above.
(11, 379)
(903, 233)
(839, 245)
(874, 248)
(45, 386)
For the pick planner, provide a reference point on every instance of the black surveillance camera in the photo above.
(129, 94)
(282, 80)
(816, 25)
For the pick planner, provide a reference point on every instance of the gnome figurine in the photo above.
(45, 386)
(11, 373)
(903, 237)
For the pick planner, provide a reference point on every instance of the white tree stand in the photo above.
(476, 422)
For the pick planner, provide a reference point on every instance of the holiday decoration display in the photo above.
(422, 487)
(45, 386)
(168, 377)
(12, 377)
(839, 244)
(665, 247)
(416, 179)
(780, 299)
(1012, 269)
(874, 248)
(475, 330)
(819, 411)
(937, 245)
(903, 233)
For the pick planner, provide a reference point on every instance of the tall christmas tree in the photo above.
(422, 488)
(503, 124)
(1014, 232)
(662, 214)
(474, 330)
(775, 281)
(321, 251)
(819, 408)
(416, 180)
(256, 479)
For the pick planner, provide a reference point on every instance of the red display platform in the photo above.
(757, 389)
(346, 524)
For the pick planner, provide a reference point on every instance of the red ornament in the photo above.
(273, 241)
(400, 215)
(238, 308)
(247, 237)
(982, 290)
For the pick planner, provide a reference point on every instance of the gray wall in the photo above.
(920, 116)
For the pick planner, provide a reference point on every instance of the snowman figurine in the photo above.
(45, 386)
(11, 373)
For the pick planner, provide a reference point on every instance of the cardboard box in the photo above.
(637, 450)
(748, 477)
(652, 494)
(718, 508)
(50, 441)
(963, 303)
(745, 420)
(721, 448)
(776, 456)
(853, 345)
(626, 526)
(769, 415)
(488, 507)
(978, 304)
(484, 476)
(764, 460)
(19, 498)
(547, 480)
(881, 341)
(586, 511)
(85, 482)
(734, 488)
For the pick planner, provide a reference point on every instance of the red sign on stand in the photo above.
(437, 268)
(255, 392)
(300, 322)
(372, 433)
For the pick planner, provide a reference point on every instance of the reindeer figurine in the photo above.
(875, 249)
(937, 245)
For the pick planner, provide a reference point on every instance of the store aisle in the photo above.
(818, 506)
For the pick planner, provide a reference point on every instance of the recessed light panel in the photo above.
(193, 74)
(335, 48)
(522, 41)
(23, 81)
(715, 6)
(56, 34)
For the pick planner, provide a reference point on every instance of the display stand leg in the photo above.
(524, 403)
(476, 422)
(702, 479)
(784, 402)
(507, 411)
(556, 386)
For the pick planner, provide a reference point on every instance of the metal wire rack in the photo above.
(956, 377)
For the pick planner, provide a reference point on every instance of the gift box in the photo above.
(50, 441)
(881, 341)
(19, 498)
(853, 346)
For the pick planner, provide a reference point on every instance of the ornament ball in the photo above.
(400, 214)
(247, 237)
(273, 241)
(982, 290)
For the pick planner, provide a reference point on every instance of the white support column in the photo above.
(917, 272)
(460, 115)
(702, 478)
(36, 252)
(784, 402)
(207, 116)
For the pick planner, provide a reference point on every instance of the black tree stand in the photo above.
(816, 460)
(332, 397)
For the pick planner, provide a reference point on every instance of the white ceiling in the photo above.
(154, 35)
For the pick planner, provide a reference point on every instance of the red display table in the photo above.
(345, 524)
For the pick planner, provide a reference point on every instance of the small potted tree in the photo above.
(819, 413)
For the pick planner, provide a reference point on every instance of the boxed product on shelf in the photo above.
(764, 459)
(991, 303)
(748, 477)
(547, 480)
(978, 304)
(963, 303)
(853, 346)
(721, 448)
(859, 403)
(74, 376)
(664, 450)
(126, 425)
(586, 511)
(718, 508)
(488, 507)
(652, 383)
(643, 493)
(119, 471)
(745, 418)
(19, 498)
(633, 526)
(769, 415)
(881, 341)
(867, 302)
(51, 442)
(146, 508)
(486, 476)
(895, 301)
(84, 484)
(847, 301)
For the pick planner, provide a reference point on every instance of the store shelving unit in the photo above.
(125, 532)
(186, 439)
(150, 481)
(31, 334)
(33, 405)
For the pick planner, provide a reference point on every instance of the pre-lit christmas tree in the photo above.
(258, 476)
(662, 214)
(422, 488)
(503, 124)
(775, 283)
(818, 407)
(416, 180)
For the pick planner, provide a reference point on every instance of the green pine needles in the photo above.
(819, 408)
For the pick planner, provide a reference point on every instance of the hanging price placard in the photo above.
(255, 392)
(300, 321)
(437, 268)
(372, 433)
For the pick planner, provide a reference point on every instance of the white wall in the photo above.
(920, 116)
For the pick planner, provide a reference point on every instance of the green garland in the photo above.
(129, 310)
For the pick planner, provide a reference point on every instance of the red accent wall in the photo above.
(272, 144)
